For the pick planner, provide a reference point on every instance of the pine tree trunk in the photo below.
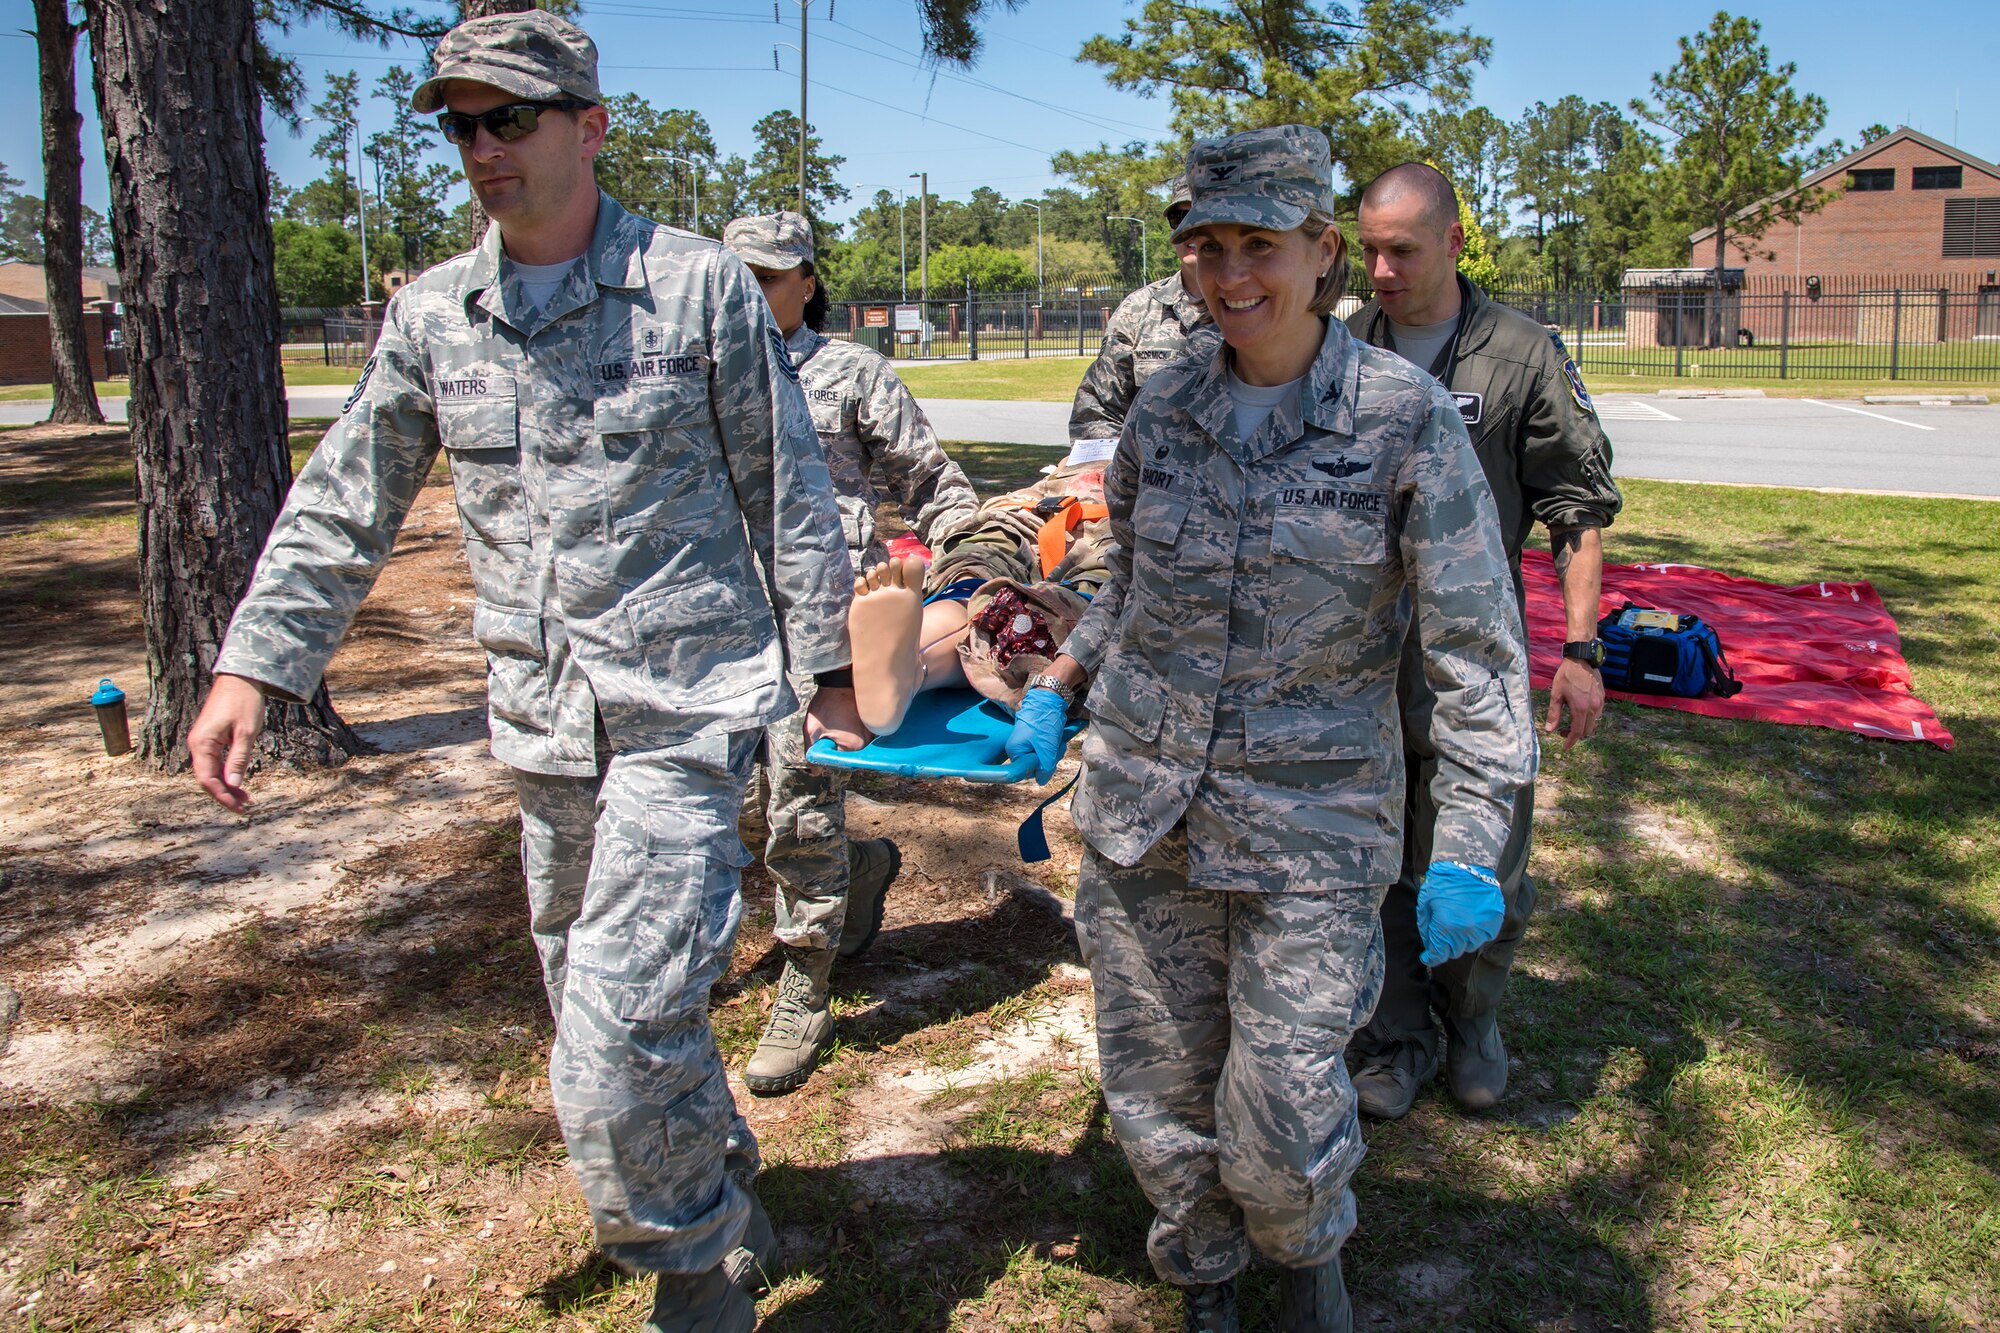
(1715, 302)
(62, 217)
(190, 206)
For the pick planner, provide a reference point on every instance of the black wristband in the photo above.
(840, 679)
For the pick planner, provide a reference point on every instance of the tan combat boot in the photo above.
(801, 1026)
(872, 866)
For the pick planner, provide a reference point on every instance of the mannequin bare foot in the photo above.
(884, 625)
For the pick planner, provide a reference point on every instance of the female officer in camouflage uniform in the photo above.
(1282, 505)
(876, 440)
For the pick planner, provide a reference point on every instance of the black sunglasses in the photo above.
(1174, 215)
(516, 120)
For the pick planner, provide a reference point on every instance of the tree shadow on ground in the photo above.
(1752, 917)
(1069, 1226)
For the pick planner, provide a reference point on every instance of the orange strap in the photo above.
(1065, 512)
(1053, 539)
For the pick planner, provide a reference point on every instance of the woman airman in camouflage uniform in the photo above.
(1281, 505)
(878, 442)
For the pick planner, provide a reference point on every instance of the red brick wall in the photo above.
(1870, 232)
(24, 348)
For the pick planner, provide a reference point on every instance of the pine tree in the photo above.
(1740, 133)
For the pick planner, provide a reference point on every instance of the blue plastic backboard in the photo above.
(947, 734)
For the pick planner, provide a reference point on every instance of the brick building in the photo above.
(24, 345)
(27, 281)
(1906, 250)
(1906, 204)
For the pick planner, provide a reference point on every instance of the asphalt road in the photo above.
(1751, 441)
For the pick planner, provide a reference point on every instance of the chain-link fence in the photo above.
(1858, 328)
(1887, 328)
(1051, 322)
(348, 340)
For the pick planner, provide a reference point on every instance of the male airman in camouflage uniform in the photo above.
(652, 539)
(1546, 459)
(1241, 797)
(1148, 331)
(830, 891)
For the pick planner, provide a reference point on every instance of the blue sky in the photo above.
(1028, 98)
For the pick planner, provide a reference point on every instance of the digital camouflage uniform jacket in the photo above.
(626, 459)
(1531, 420)
(875, 435)
(1148, 331)
(1245, 650)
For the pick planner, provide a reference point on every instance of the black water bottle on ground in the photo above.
(109, 701)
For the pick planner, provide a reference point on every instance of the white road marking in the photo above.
(1840, 407)
(1630, 409)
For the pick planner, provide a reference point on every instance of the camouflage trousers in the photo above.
(633, 901)
(1222, 1018)
(1469, 986)
(798, 815)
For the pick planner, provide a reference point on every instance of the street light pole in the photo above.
(902, 242)
(1039, 282)
(694, 172)
(1145, 269)
(923, 179)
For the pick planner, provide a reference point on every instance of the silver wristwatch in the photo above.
(1066, 692)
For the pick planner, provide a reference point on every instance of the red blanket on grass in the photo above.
(1815, 655)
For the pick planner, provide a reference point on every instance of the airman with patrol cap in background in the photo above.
(653, 540)
(1547, 460)
(1283, 506)
(1149, 329)
(831, 892)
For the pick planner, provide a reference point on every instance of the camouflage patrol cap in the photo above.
(1268, 178)
(1177, 196)
(535, 56)
(773, 240)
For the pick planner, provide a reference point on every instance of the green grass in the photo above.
(1054, 380)
(15, 393)
(295, 376)
(1963, 362)
(1042, 379)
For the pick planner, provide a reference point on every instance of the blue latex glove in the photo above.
(1038, 730)
(1459, 908)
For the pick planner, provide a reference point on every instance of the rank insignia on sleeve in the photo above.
(360, 387)
(782, 354)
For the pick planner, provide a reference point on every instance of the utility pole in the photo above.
(1145, 270)
(361, 208)
(803, 5)
(923, 179)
